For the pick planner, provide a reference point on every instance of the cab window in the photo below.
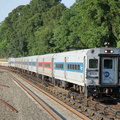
(107, 64)
(93, 63)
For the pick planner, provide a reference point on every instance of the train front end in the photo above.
(104, 72)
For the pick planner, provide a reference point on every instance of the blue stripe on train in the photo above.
(70, 66)
(74, 67)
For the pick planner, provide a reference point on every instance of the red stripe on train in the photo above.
(45, 65)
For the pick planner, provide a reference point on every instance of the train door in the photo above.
(109, 70)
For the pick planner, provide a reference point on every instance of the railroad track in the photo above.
(51, 112)
(94, 110)
(9, 106)
(35, 97)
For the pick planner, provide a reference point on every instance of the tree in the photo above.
(46, 26)
(45, 33)
(23, 24)
(67, 29)
(100, 18)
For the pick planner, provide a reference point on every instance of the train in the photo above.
(92, 72)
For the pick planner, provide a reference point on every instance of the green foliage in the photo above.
(45, 33)
(24, 24)
(3, 48)
(100, 18)
(94, 22)
(46, 26)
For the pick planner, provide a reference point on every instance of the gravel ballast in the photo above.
(27, 107)
(18, 99)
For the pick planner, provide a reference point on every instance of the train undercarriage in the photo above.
(96, 92)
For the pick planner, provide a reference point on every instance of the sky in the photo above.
(6, 6)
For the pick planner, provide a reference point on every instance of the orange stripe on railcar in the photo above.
(45, 65)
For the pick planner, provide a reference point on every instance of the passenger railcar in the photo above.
(94, 72)
(11, 62)
(32, 64)
(45, 65)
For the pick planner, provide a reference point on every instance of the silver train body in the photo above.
(94, 72)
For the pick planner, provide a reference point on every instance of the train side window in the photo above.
(47, 65)
(70, 66)
(61, 66)
(40, 64)
(78, 67)
(73, 67)
(108, 64)
(93, 63)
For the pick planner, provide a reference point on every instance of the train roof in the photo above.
(91, 51)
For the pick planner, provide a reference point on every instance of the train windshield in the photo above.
(93, 63)
(108, 64)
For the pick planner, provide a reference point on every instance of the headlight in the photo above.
(109, 51)
(112, 51)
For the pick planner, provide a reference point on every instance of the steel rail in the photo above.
(53, 114)
(88, 103)
(13, 109)
(86, 107)
(4, 85)
(58, 101)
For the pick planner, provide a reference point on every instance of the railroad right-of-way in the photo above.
(17, 104)
(59, 103)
